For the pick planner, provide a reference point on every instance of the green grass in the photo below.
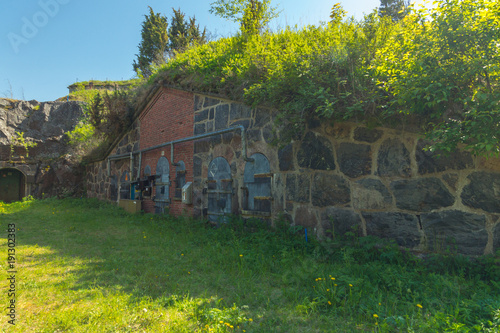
(86, 266)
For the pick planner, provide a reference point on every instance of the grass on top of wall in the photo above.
(87, 266)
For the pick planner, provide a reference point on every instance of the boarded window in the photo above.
(257, 198)
(11, 185)
(162, 184)
(125, 185)
(220, 189)
(180, 178)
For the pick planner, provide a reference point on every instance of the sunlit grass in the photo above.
(86, 266)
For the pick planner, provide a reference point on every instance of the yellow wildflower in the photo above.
(420, 306)
(375, 315)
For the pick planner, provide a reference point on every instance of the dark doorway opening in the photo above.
(12, 183)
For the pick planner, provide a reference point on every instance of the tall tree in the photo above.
(154, 43)
(395, 9)
(253, 15)
(183, 33)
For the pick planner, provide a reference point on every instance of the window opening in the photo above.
(257, 198)
(220, 190)
(113, 188)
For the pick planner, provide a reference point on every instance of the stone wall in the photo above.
(49, 167)
(347, 177)
(103, 186)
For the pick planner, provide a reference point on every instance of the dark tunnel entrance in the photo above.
(12, 183)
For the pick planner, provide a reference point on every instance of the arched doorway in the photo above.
(12, 183)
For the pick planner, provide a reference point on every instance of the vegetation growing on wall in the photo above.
(439, 66)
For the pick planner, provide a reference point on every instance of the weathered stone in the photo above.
(455, 230)
(429, 162)
(199, 128)
(451, 179)
(330, 190)
(338, 221)
(136, 146)
(285, 158)
(403, 228)
(210, 102)
(316, 152)
(367, 134)
(201, 146)
(496, 238)
(305, 217)
(421, 195)
(354, 159)
(254, 135)
(393, 159)
(239, 111)
(210, 126)
(298, 187)
(124, 141)
(370, 194)
(483, 191)
(201, 116)
(227, 137)
(215, 140)
(221, 116)
(313, 122)
(212, 114)
(267, 134)
(262, 117)
(198, 102)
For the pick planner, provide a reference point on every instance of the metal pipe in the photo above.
(191, 138)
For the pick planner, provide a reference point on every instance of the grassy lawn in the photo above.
(86, 266)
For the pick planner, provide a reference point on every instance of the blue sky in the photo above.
(47, 45)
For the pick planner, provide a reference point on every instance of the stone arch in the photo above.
(12, 185)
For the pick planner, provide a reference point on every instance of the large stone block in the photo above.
(285, 158)
(355, 160)
(421, 195)
(201, 116)
(239, 111)
(370, 194)
(298, 187)
(393, 159)
(330, 190)
(483, 191)
(305, 217)
(338, 221)
(316, 152)
(399, 226)
(210, 102)
(455, 230)
(262, 117)
(496, 238)
(430, 162)
(367, 134)
(221, 116)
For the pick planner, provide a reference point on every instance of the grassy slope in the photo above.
(85, 266)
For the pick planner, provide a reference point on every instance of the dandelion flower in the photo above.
(335, 285)
(420, 306)
(328, 290)
(350, 285)
(241, 255)
(250, 319)
(329, 303)
(333, 279)
(375, 315)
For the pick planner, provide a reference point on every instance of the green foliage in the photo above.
(317, 71)
(183, 34)
(394, 9)
(444, 65)
(21, 141)
(253, 15)
(153, 44)
(154, 273)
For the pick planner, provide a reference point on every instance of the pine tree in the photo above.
(183, 33)
(395, 9)
(154, 43)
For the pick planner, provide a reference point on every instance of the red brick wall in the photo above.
(169, 116)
